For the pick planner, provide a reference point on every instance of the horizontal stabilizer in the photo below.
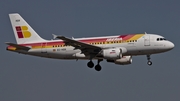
(18, 46)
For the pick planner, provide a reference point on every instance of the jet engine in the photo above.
(113, 53)
(125, 60)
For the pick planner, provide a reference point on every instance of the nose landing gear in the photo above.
(149, 63)
(149, 60)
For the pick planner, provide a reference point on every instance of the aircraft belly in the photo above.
(144, 50)
(62, 53)
(54, 53)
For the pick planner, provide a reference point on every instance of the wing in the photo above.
(87, 49)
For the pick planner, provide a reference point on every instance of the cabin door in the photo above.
(43, 47)
(146, 40)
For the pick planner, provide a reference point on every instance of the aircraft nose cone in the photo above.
(170, 45)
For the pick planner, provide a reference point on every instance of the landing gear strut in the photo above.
(98, 67)
(149, 60)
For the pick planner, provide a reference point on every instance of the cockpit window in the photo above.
(164, 39)
(160, 39)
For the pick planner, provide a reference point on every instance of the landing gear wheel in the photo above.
(97, 67)
(149, 63)
(90, 64)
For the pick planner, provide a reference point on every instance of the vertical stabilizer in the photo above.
(23, 31)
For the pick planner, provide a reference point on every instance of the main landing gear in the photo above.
(149, 60)
(90, 64)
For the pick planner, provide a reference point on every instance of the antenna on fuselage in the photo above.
(145, 32)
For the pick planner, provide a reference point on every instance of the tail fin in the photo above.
(23, 31)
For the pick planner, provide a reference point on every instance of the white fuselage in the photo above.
(146, 45)
(115, 49)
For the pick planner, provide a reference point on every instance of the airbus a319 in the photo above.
(117, 49)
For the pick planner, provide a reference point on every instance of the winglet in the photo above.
(54, 36)
(59, 37)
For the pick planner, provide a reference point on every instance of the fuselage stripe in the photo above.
(100, 41)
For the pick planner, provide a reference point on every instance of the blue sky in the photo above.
(28, 78)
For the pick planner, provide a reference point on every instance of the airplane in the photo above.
(117, 49)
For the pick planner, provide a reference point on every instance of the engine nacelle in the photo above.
(114, 53)
(125, 60)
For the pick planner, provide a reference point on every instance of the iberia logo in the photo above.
(23, 32)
